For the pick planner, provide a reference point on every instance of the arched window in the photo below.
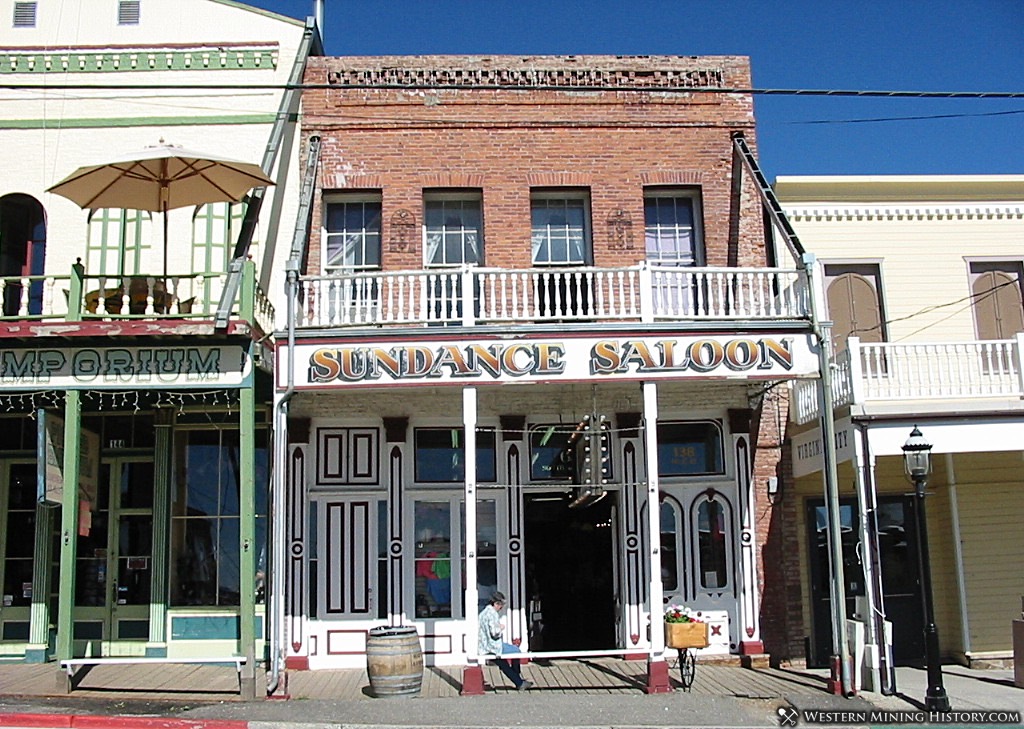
(714, 551)
(22, 252)
(672, 562)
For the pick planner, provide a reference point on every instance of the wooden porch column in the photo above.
(247, 538)
(473, 673)
(657, 669)
(157, 645)
(68, 534)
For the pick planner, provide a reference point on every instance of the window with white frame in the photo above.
(997, 298)
(672, 231)
(439, 543)
(560, 227)
(453, 228)
(352, 232)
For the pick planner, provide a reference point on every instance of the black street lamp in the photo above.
(917, 457)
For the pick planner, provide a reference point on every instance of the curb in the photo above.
(94, 721)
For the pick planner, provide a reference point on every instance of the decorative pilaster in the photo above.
(163, 421)
(39, 622)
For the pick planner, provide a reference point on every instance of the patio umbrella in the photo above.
(161, 178)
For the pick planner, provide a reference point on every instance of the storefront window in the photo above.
(433, 530)
(206, 518)
(441, 455)
(690, 448)
(712, 531)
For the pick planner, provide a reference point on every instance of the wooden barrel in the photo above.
(394, 661)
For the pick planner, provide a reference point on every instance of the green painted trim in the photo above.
(142, 121)
(69, 526)
(72, 61)
(247, 522)
(37, 655)
(260, 11)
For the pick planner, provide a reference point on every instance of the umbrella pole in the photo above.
(166, 297)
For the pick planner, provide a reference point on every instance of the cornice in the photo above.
(973, 211)
(112, 60)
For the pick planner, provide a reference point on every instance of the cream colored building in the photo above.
(922, 278)
(161, 553)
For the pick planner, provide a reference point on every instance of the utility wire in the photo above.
(908, 118)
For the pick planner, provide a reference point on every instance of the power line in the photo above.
(908, 118)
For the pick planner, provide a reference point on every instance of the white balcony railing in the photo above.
(887, 372)
(470, 295)
(191, 296)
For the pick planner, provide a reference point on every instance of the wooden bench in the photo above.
(71, 665)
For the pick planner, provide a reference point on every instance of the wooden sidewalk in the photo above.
(220, 683)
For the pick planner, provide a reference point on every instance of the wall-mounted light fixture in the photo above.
(772, 486)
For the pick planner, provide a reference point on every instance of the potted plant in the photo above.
(684, 628)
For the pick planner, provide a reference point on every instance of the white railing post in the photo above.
(468, 298)
(856, 370)
(1019, 342)
(646, 293)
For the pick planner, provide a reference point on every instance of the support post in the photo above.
(68, 535)
(473, 673)
(247, 539)
(157, 645)
(657, 669)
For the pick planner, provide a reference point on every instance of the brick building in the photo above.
(518, 264)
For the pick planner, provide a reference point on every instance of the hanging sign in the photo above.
(484, 361)
(97, 368)
(50, 461)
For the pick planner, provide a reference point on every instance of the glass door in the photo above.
(114, 561)
(18, 517)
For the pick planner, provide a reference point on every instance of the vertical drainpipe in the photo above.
(840, 644)
(279, 501)
(868, 511)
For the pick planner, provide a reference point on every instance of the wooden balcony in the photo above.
(885, 376)
(472, 296)
(79, 297)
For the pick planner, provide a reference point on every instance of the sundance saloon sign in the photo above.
(566, 359)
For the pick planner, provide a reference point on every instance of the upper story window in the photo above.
(24, 15)
(453, 228)
(116, 242)
(560, 227)
(441, 455)
(672, 227)
(690, 448)
(996, 293)
(353, 233)
(854, 295)
(128, 12)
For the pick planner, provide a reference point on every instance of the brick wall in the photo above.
(640, 127)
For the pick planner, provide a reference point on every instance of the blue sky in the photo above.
(908, 45)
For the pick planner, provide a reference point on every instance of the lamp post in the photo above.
(917, 454)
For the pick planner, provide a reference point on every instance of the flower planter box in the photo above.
(686, 635)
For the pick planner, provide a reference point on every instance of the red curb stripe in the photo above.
(46, 720)
(92, 721)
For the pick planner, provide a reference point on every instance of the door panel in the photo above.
(901, 589)
(114, 562)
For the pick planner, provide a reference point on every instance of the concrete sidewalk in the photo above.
(604, 697)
